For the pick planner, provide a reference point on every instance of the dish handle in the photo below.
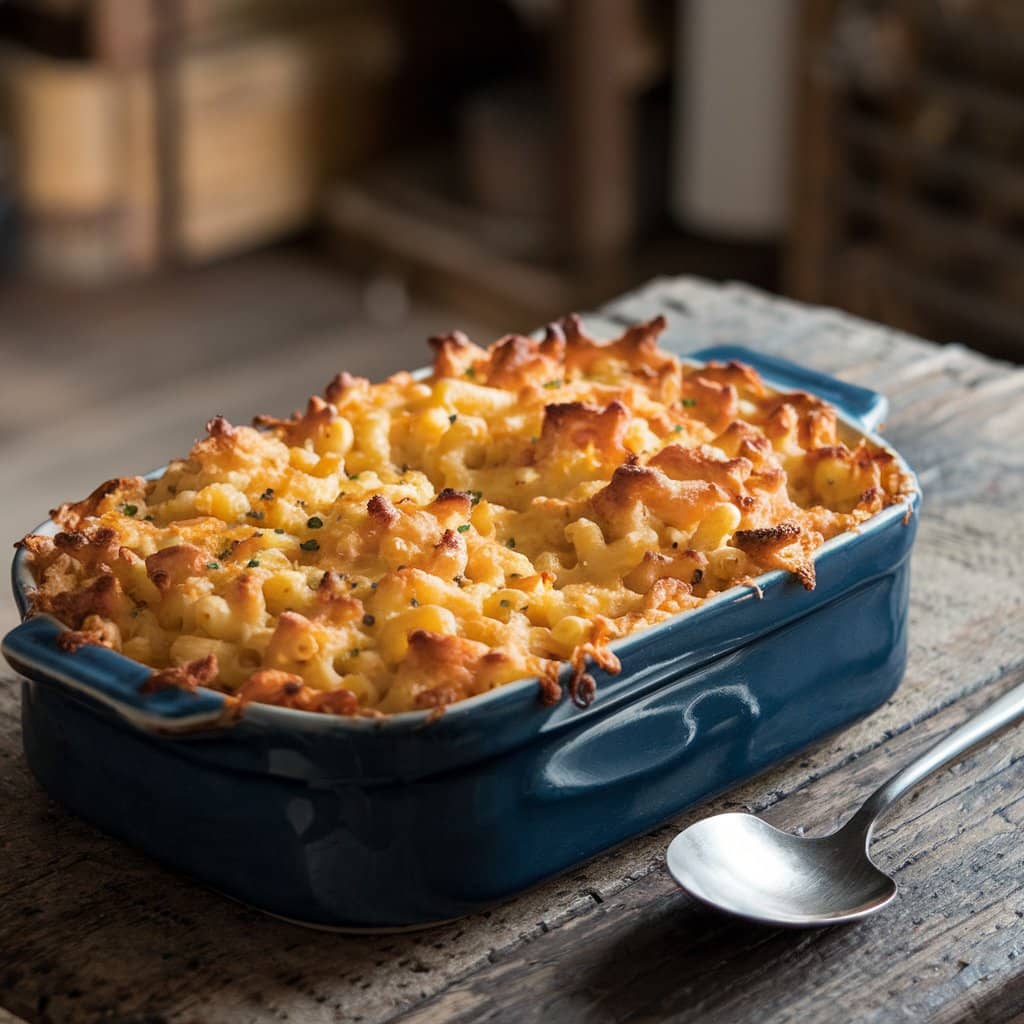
(866, 407)
(110, 679)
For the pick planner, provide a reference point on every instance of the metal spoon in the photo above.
(742, 865)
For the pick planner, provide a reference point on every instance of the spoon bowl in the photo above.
(744, 866)
(741, 864)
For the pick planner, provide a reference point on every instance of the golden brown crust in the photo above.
(170, 566)
(412, 543)
(454, 354)
(272, 686)
(96, 631)
(100, 597)
(579, 425)
(189, 676)
(105, 496)
(342, 384)
(635, 488)
(703, 463)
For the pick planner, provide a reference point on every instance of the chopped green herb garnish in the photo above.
(277, 529)
(226, 553)
(368, 620)
(677, 429)
(553, 383)
(454, 416)
(149, 519)
(687, 403)
(476, 496)
(533, 440)
(314, 522)
(505, 603)
(464, 527)
(354, 653)
(129, 510)
(471, 372)
(212, 565)
(252, 564)
(310, 545)
(511, 542)
(414, 603)
(267, 494)
(253, 514)
(352, 476)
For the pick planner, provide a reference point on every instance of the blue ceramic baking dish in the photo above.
(363, 824)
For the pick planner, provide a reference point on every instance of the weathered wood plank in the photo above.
(952, 938)
(91, 928)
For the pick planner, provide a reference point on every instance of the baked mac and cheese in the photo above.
(410, 543)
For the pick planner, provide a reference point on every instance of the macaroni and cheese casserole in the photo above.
(408, 544)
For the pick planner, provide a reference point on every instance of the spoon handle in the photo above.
(1005, 711)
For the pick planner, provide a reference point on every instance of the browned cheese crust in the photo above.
(408, 544)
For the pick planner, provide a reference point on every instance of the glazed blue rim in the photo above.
(859, 409)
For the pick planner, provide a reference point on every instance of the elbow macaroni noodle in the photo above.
(407, 544)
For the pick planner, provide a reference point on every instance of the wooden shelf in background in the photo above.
(405, 221)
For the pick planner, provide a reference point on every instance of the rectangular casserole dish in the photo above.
(358, 823)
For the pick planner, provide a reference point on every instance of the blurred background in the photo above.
(212, 205)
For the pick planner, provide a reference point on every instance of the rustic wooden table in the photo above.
(91, 930)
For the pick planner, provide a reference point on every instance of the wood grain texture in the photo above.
(651, 953)
(91, 930)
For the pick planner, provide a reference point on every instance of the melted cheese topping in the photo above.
(411, 543)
